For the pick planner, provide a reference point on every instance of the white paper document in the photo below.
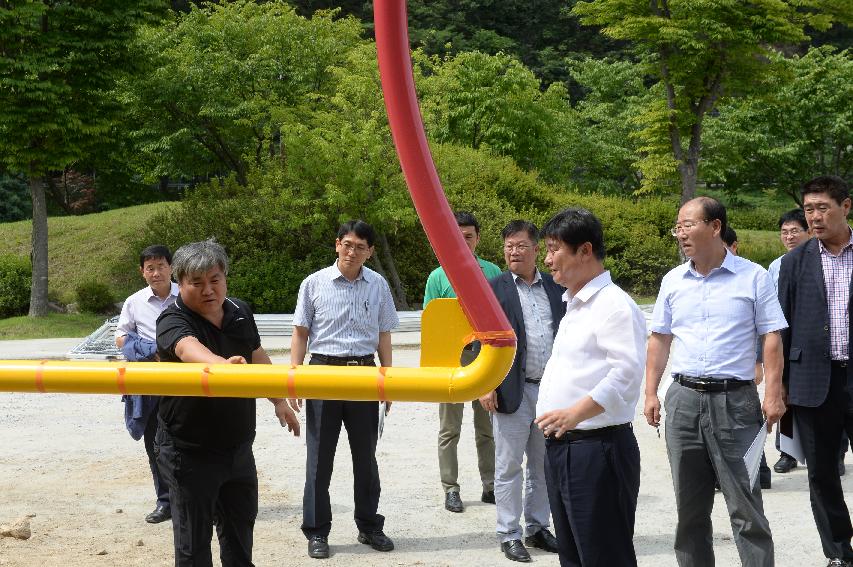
(789, 439)
(383, 407)
(752, 458)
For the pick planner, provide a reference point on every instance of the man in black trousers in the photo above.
(814, 291)
(204, 444)
(343, 317)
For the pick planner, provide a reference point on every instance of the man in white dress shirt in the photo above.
(715, 308)
(136, 336)
(587, 400)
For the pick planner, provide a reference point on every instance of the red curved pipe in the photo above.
(398, 86)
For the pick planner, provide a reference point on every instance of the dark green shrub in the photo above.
(95, 297)
(15, 201)
(270, 282)
(15, 281)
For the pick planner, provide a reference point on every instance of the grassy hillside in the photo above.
(84, 247)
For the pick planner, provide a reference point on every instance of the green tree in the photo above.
(699, 52)
(492, 102)
(225, 80)
(58, 63)
(801, 125)
(540, 33)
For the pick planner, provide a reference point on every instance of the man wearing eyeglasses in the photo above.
(814, 289)
(450, 415)
(533, 303)
(344, 315)
(715, 307)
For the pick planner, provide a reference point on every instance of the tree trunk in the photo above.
(38, 292)
(687, 173)
(400, 301)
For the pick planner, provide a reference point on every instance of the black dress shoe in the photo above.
(160, 514)
(785, 464)
(488, 496)
(514, 550)
(838, 563)
(377, 540)
(452, 502)
(543, 539)
(318, 547)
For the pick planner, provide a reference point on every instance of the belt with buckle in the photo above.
(840, 363)
(330, 360)
(709, 384)
(579, 434)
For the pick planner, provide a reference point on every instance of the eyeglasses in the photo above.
(522, 248)
(793, 232)
(357, 248)
(686, 226)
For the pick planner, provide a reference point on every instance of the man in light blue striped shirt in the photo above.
(714, 309)
(344, 314)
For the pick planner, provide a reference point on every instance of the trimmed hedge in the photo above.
(95, 297)
(15, 280)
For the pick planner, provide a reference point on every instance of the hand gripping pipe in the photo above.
(445, 329)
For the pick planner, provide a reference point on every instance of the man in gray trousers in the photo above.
(534, 306)
(716, 307)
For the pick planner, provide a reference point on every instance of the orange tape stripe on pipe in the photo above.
(40, 377)
(205, 381)
(291, 382)
(380, 383)
(122, 387)
(486, 336)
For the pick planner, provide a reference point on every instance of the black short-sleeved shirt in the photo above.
(199, 422)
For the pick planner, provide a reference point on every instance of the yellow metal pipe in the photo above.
(427, 384)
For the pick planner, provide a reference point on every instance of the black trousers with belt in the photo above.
(820, 429)
(593, 485)
(323, 421)
(204, 487)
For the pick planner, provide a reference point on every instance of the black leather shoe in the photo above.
(515, 551)
(838, 563)
(377, 540)
(488, 496)
(452, 502)
(785, 464)
(160, 514)
(318, 547)
(543, 539)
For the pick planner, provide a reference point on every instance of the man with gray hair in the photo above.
(204, 444)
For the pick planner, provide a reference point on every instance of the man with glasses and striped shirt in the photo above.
(344, 315)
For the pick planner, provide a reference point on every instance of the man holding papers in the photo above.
(716, 307)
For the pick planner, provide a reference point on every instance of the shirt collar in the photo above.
(592, 287)
(729, 264)
(536, 277)
(823, 249)
(336, 273)
(173, 290)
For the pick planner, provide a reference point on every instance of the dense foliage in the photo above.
(270, 115)
(15, 273)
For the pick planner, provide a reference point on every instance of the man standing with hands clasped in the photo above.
(344, 316)
(716, 307)
(588, 398)
(814, 288)
(533, 304)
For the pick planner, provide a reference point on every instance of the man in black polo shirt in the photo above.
(204, 444)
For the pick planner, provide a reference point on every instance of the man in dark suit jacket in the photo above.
(814, 290)
(534, 306)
